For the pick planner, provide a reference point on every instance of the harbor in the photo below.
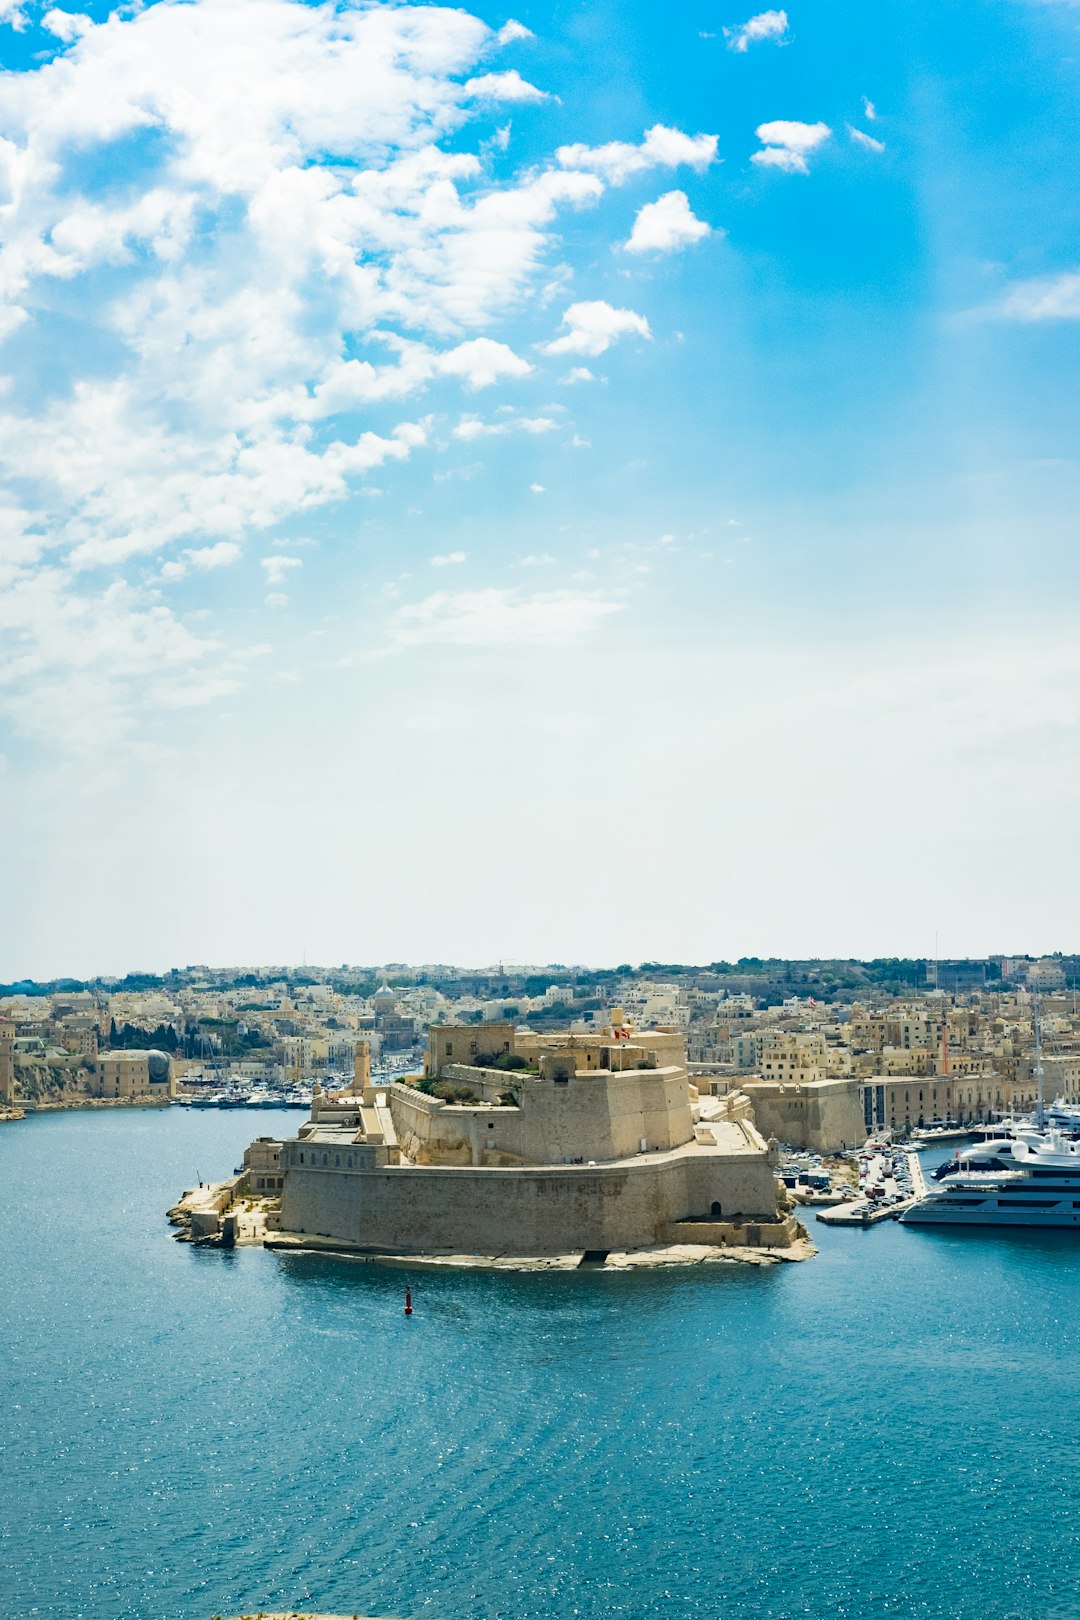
(877, 1183)
(891, 1180)
(400, 1491)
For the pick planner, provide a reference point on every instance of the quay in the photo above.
(871, 1212)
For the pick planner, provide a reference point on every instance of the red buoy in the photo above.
(408, 1302)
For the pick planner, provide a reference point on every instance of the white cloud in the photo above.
(277, 568)
(538, 489)
(868, 142)
(1043, 298)
(869, 109)
(452, 559)
(481, 362)
(594, 326)
(347, 385)
(508, 86)
(499, 619)
(278, 264)
(473, 427)
(660, 148)
(577, 374)
(766, 25)
(219, 556)
(203, 559)
(66, 25)
(666, 225)
(512, 31)
(786, 142)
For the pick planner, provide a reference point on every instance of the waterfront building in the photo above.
(132, 1075)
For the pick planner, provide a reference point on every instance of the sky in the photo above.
(590, 484)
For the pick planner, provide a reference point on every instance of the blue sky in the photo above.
(591, 484)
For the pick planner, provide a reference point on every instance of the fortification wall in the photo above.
(823, 1115)
(584, 1117)
(605, 1116)
(431, 1131)
(528, 1211)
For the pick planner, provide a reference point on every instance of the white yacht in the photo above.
(1029, 1179)
(1064, 1116)
(1028, 1175)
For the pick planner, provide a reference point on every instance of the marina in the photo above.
(1030, 1178)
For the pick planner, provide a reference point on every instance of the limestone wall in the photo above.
(525, 1211)
(564, 1117)
(489, 1085)
(604, 1116)
(431, 1131)
(461, 1043)
(822, 1115)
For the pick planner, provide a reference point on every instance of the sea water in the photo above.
(888, 1430)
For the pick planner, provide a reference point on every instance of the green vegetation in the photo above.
(443, 1090)
(132, 1037)
(497, 1060)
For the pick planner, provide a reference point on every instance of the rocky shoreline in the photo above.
(657, 1255)
(58, 1105)
(224, 1214)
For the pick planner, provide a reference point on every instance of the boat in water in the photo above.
(1064, 1116)
(1029, 1179)
(946, 1130)
(1027, 1175)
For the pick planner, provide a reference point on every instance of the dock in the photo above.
(869, 1212)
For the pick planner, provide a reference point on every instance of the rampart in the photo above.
(532, 1210)
(823, 1115)
(564, 1116)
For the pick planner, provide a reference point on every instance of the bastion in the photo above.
(586, 1145)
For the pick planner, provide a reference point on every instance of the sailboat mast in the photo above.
(1040, 1101)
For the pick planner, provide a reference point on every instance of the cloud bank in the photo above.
(248, 213)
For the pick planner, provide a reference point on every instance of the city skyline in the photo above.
(585, 485)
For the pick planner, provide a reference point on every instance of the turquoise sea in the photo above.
(888, 1431)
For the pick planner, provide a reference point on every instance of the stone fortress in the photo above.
(519, 1144)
